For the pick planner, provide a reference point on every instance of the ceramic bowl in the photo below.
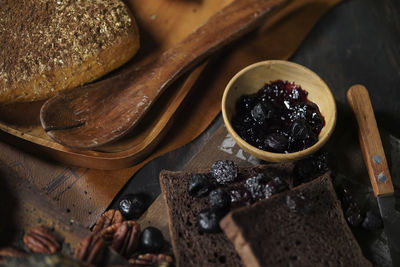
(250, 79)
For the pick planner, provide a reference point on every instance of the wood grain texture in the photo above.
(100, 113)
(27, 207)
(161, 27)
(370, 141)
(86, 193)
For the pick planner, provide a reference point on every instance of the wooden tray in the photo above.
(161, 25)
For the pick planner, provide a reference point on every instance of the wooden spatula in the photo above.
(102, 112)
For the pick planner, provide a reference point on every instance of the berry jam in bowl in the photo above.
(278, 111)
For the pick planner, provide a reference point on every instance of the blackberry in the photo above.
(240, 197)
(372, 221)
(218, 198)
(300, 130)
(345, 194)
(256, 185)
(151, 240)
(276, 142)
(246, 102)
(224, 171)
(208, 220)
(278, 107)
(297, 202)
(198, 185)
(275, 186)
(301, 135)
(132, 206)
(353, 215)
(262, 112)
(310, 168)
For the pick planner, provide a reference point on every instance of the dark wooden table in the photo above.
(356, 42)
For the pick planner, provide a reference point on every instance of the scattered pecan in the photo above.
(123, 237)
(160, 260)
(9, 252)
(108, 218)
(91, 249)
(40, 240)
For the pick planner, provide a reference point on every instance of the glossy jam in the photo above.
(278, 118)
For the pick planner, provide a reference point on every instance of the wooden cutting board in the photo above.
(161, 24)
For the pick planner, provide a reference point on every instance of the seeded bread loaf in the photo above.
(191, 246)
(52, 45)
(268, 233)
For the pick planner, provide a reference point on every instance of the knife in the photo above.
(378, 170)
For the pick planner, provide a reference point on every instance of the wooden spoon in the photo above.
(102, 112)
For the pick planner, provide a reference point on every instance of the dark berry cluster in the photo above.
(310, 168)
(278, 118)
(262, 186)
(366, 218)
(224, 171)
(240, 197)
(132, 206)
(298, 203)
(222, 197)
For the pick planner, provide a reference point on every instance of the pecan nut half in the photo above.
(122, 237)
(10, 252)
(91, 249)
(40, 240)
(108, 218)
(160, 260)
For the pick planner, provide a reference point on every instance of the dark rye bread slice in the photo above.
(192, 247)
(269, 234)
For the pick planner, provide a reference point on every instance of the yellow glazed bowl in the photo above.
(250, 79)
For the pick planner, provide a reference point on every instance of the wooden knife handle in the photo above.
(370, 140)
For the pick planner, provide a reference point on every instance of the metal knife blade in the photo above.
(391, 222)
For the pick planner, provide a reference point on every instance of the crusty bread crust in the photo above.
(41, 85)
(47, 84)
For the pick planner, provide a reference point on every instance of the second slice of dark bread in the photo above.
(191, 246)
(268, 233)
